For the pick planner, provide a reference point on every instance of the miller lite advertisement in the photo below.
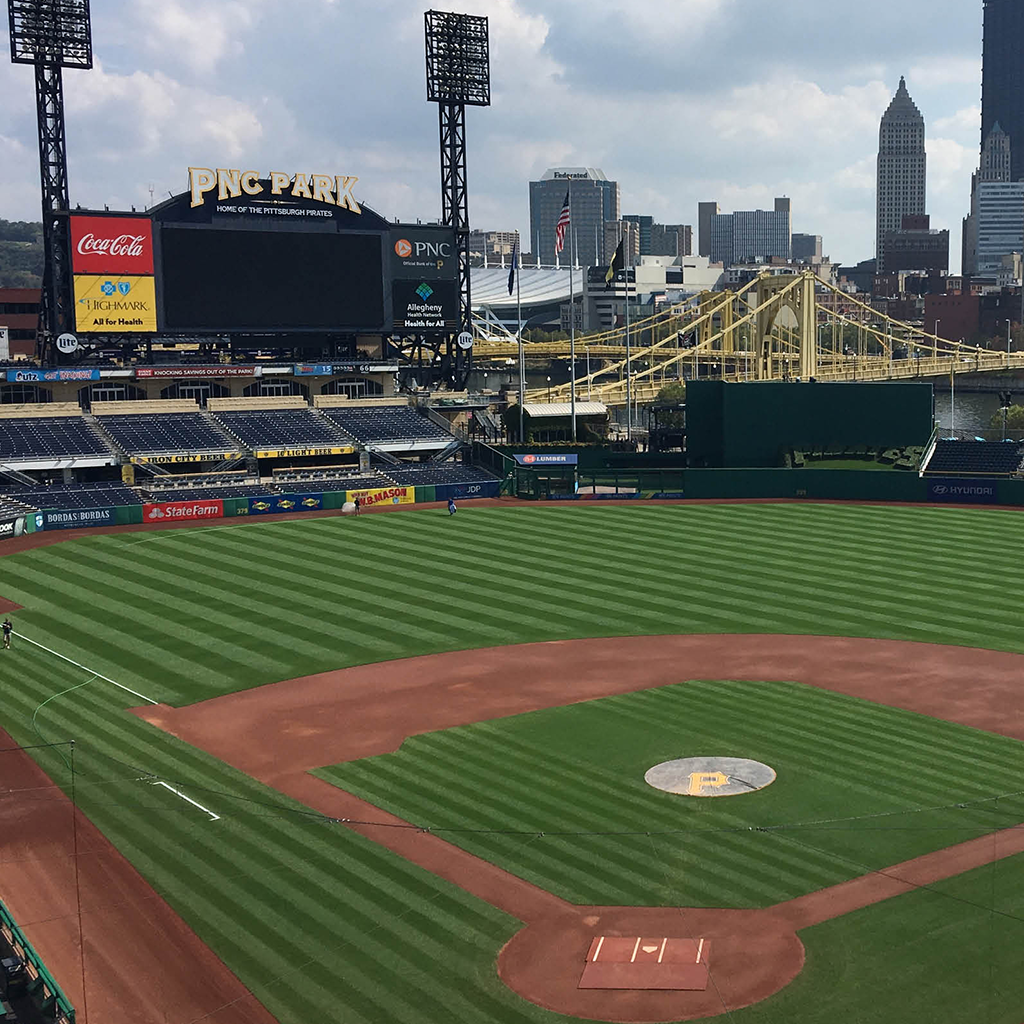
(112, 245)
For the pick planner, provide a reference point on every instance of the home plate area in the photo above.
(637, 963)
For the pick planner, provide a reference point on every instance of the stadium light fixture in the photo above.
(54, 33)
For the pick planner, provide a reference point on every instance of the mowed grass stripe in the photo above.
(868, 571)
(508, 774)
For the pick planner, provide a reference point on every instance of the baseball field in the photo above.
(391, 768)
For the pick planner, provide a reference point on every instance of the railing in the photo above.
(42, 981)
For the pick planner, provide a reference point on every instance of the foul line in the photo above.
(96, 675)
(178, 792)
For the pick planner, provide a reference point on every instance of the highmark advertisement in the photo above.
(383, 496)
(106, 303)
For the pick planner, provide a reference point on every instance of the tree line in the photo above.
(21, 254)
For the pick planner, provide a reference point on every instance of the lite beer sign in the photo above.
(233, 184)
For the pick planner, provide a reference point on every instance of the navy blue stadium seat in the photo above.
(283, 428)
(146, 434)
(371, 424)
(43, 437)
(984, 458)
(426, 473)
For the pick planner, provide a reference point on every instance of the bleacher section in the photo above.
(209, 493)
(282, 429)
(393, 425)
(975, 458)
(347, 483)
(70, 496)
(426, 473)
(50, 439)
(186, 433)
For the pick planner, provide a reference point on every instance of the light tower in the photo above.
(52, 34)
(458, 75)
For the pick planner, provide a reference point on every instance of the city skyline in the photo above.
(192, 82)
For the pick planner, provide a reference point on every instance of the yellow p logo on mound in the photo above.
(700, 781)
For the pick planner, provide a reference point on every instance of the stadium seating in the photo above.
(61, 437)
(282, 428)
(166, 433)
(210, 493)
(71, 496)
(425, 473)
(346, 483)
(10, 507)
(387, 423)
(983, 458)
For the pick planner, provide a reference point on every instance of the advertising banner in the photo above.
(425, 305)
(350, 366)
(300, 453)
(167, 460)
(76, 518)
(383, 496)
(546, 460)
(313, 370)
(111, 245)
(12, 527)
(277, 503)
(485, 489)
(110, 304)
(423, 252)
(960, 491)
(170, 372)
(34, 376)
(174, 511)
(5, 344)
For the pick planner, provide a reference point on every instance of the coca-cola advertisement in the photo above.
(111, 245)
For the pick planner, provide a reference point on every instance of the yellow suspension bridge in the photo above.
(777, 327)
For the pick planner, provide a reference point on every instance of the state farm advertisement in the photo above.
(111, 245)
(177, 511)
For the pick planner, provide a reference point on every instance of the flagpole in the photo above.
(629, 359)
(572, 319)
(522, 360)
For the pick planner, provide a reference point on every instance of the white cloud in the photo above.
(199, 33)
(678, 100)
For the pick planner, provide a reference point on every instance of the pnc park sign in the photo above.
(233, 184)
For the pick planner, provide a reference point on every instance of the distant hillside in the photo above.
(21, 254)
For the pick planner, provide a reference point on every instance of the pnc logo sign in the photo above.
(423, 250)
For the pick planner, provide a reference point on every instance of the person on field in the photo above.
(356, 503)
(8, 629)
(451, 507)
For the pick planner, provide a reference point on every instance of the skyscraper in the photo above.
(1002, 80)
(902, 168)
(595, 200)
(749, 234)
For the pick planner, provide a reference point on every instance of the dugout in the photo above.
(752, 425)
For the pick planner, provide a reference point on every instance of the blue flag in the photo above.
(514, 267)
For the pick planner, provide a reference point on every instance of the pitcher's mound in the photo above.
(710, 776)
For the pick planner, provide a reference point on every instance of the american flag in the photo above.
(561, 226)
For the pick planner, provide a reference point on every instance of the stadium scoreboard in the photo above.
(237, 253)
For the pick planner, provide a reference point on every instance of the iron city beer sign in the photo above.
(233, 184)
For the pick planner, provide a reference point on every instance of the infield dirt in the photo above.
(278, 733)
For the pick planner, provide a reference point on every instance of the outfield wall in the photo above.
(563, 484)
(202, 510)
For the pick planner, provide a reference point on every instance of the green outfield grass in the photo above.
(324, 925)
(860, 787)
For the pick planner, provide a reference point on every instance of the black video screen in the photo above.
(224, 280)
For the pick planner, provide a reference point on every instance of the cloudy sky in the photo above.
(678, 100)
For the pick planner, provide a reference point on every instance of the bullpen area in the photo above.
(413, 767)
